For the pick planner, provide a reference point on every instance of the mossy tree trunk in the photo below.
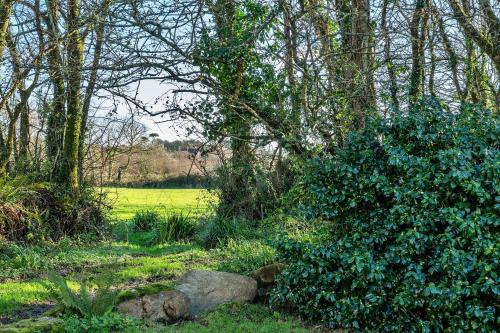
(489, 43)
(238, 197)
(391, 70)
(69, 172)
(418, 33)
(5, 11)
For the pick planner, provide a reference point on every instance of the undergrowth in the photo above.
(34, 211)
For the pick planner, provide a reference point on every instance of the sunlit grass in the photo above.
(17, 295)
(128, 201)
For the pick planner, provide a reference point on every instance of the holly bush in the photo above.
(414, 244)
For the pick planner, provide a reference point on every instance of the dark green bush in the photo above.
(414, 247)
(146, 220)
(175, 227)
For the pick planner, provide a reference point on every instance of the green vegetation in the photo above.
(110, 322)
(244, 256)
(83, 303)
(215, 231)
(236, 318)
(414, 244)
(145, 220)
(351, 144)
(175, 227)
(32, 211)
(134, 267)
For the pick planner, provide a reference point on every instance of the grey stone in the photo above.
(207, 289)
(169, 305)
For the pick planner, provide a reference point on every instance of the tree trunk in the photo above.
(362, 57)
(5, 11)
(418, 31)
(393, 87)
(238, 197)
(490, 46)
(24, 137)
(89, 91)
(452, 56)
(56, 121)
(75, 61)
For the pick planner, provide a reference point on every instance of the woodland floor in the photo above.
(129, 262)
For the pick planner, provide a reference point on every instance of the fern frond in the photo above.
(83, 304)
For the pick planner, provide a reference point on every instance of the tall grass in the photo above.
(175, 227)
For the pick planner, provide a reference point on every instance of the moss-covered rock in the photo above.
(42, 324)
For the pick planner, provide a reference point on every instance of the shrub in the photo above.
(414, 247)
(175, 227)
(82, 304)
(145, 220)
(217, 231)
(256, 195)
(245, 256)
(31, 210)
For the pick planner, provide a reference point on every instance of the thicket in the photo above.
(262, 197)
(32, 210)
(414, 243)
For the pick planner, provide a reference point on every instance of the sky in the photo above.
(148, 92)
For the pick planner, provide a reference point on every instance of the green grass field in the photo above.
(133, 263)
(127, 201)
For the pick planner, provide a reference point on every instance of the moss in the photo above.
(42, 324)
(149, 289)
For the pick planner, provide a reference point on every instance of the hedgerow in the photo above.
(415, 242)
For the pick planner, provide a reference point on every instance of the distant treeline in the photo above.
(192, 181)
(181, 145)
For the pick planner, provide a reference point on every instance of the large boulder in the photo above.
(167, 306)
(207, 289)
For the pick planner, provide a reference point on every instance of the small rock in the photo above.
(207, 289)
(266, 275)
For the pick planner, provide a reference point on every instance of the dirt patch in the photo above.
(31, 311)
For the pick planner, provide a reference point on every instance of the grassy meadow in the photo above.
(129, 261)
(128, 201)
